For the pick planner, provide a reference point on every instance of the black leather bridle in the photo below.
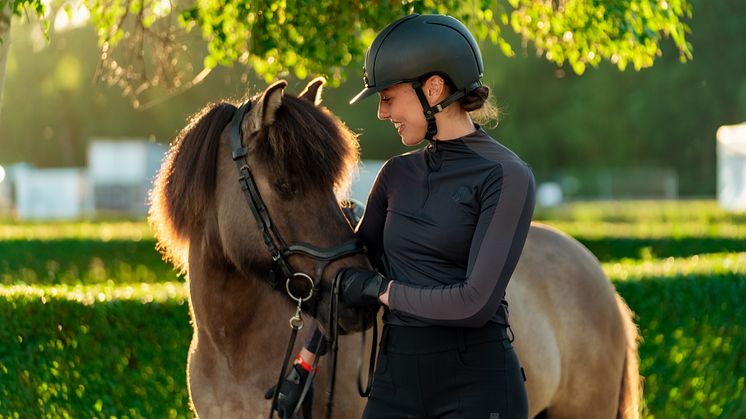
(280, 252)
(272, 238)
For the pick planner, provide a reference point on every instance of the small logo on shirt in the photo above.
(462, 194)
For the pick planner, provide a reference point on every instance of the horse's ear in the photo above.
(263, 111)
(312, 92)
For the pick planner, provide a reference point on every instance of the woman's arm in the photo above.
(507, 207)
(370, 228)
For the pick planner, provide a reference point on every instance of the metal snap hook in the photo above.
(296, 322)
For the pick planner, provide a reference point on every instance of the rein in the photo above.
(280, 251)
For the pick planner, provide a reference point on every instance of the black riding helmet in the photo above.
(416, 47)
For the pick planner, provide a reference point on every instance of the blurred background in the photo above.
(646, 168)
(606, 134)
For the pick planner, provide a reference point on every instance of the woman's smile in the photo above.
(399, 127)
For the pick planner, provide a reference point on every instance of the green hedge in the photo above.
(81, 261)
(73, 355)
(693, 353)
(119, 358)
(95, 324)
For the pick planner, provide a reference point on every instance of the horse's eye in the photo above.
(286, 189)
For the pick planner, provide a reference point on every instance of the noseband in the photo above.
(280, 252)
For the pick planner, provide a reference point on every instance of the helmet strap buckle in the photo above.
(430, 111)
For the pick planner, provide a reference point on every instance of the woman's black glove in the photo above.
(290, 391)
(361, 287)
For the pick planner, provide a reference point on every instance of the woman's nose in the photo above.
(383, 112)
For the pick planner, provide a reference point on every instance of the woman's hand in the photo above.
(384, 298)
(361, 287)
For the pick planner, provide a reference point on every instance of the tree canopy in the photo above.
(562, 124)
(143, 42)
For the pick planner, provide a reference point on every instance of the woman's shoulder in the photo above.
(402, 159)
(489, 148)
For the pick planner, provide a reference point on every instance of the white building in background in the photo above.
(121, 173)
(49, 194)
(117, 180)
(731, 172)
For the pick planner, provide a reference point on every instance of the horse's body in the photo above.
(574, 335)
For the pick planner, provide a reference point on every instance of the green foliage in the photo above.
(323, 37)
(580, 32)
(634, 248)
(693, 353)
(667, 214)
(681, 267)
(81, 261)
(279, 36)
(115, 344)
(649, 229)
(17, 7)
(61, 358)
(80, 253)
(664, 117)
(80, 230)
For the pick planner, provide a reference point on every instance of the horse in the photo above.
(299, 157)
(575, 336)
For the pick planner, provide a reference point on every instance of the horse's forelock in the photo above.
(305, 143)
(182, 191)
(309, 145)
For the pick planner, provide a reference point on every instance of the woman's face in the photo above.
(400, 105)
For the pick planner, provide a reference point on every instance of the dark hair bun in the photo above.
(475, 99)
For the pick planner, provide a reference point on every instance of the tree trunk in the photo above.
(5, 16)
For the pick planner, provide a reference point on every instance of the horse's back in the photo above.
(569, 330)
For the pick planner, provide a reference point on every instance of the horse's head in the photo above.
(283, 219)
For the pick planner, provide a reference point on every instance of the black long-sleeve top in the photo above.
(451, 219)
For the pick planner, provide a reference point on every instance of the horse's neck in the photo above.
(241, 318)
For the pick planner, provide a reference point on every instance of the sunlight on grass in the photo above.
(104, 231)
(714, 264)
(650, 229)
(674, 211)
(91, 294)
(83, 302)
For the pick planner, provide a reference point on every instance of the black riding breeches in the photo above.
(447, 373)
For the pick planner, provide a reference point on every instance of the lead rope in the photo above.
(333, 325)
(365, 392)
(296, 323)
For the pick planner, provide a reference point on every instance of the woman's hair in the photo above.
(478, 103)
(481, 106)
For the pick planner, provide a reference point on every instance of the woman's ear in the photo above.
(435, 89)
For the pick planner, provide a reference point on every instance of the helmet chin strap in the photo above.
(430, 112)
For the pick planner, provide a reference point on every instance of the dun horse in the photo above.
(575, 336)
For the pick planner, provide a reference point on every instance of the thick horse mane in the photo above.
(305, 144)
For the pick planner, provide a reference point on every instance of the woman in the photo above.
(451, 220)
